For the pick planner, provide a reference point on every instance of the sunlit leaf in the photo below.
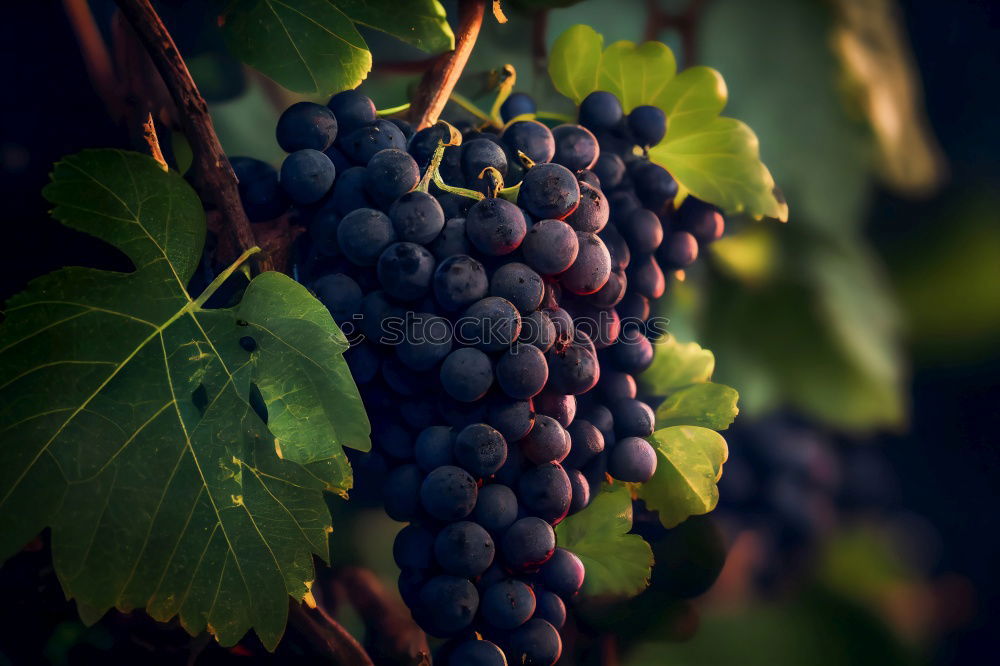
(636, 73)
(422, 23)
(676, 365)
(689, 466)
(707, 405)
(617, 563)
(575, 60)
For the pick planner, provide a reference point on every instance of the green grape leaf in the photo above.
(128, 426)
(719, 162)
(676, 365)
(692, 98)
(688, 469)
(707, 405)
(422, 23)
(617, 563)
(308, 46)
(575, 60)
(636, 74)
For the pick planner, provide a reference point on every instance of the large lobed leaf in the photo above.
(127, 427)
(717, 159)
(313, 46)
(617, 563)
(689, 466)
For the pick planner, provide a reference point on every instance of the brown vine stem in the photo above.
(327, 636)
(436, 85)
(212, 169)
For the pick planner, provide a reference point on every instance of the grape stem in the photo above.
(437, 84)
(327, 636)
(211, 167)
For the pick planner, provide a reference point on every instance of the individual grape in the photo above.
(405, 127)
(547, 441)
(507, 604)
(522, 371)
(478, 154)
(576, 147)
(306, 125)
(451, 241)
(581, 490)
(586, 442)
(517, 104)
(433, 447)
(600, 110)
(492, 324)
(648, 124)
(551, 247)
(617, 247)
(391, 173)
(363, 143)
(563, 573)
(260, 192)
(352, 109)
(363, 234)
(562, 408)
(610, 169)
(422, 145)
(339, 159)
(679, 250)
(466, 374)
(427, 341)
(306, 175)
(449, 604)
(448, 493)
(518, 284)
(531, 138)
(528, 543)
(549, 191)
(574, 370)
(544, 491)
(633, 307)
(459, 281)
(392, 439)
(600, 417)
(379, 316)
(593, 212)
(633, 460)
(654, 185)
(633, 352)
(633, 418)
(405, 270)
(646, 278)
(340, 294)
(562, 321)
(474, 652)
(349, 192)
(401, 494)
(613, 291)
(701, 220)
(464, 549)
(549, 607)
(537, 330)
(642, 231)
(592, 267)
(480, 449)
(512, 418)
(535, 643)
(417, 217)
(496, 507)
(413, 548)
(495, 226)
(615, 385)
(363, 361)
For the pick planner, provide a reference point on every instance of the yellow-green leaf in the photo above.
(617, 563)
(636, 73)
(575, 60)
(708, 405)
(675, 365)
(689, 466)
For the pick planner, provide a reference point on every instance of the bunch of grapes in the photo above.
(496, 334)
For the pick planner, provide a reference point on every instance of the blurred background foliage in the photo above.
(870, 321)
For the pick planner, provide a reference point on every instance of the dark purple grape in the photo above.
(507, 604)
(512, 418)
(464, 549)
(531, 138)
(517, 104)
(260, 192)
(306, 125)
(405, 270)
(340, 294)
(496, 507)
(401, 495)
(633, 352)
(551, 247)
(448, 604)
(537, 330)
(601, 110)
(451, 241)
(307, 175)
(592, 267)
(615, 385)
(632, 459)
(478, 154)
(522, 371)
(679, 249)
(363, 143)
(549, 607)
(654, 185)
(363, 234)
(413, 548)
(459, 281)
(492, 324)
(576, 147)
(648, 125)
(535, 643)
(528, 543)
(560, 407)
(613, 291)
(610, 169)
(433, 447)
(593, 212)
(574, 369)
(349, 192)
(586, 442)
(352, 109)
(701, 220)
(448, 493)
(518, 284)
(480, 449)
(549, 191)
(427, 341)
(417, 217)
(390, 174)
(544, 491)
(495, 226)
(581, 490)
(547, 441)
(633, 418)
(476, 652)
(642, 231)
(646, 278)
(563, 573)
(466, 374)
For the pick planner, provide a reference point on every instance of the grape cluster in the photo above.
(495, 340)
